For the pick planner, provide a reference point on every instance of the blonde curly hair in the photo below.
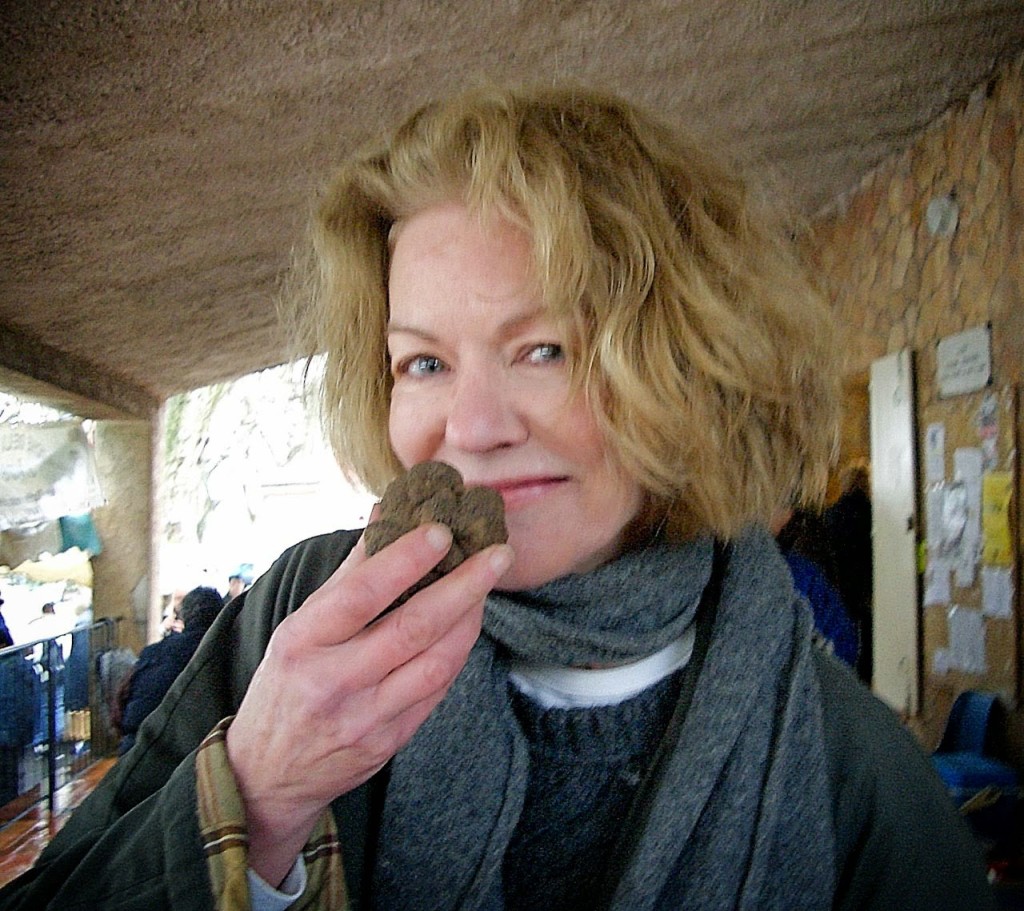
(708, 357)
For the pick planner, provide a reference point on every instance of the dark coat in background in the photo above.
(160, 663)
(158, 666)
(21, 700)
(848, 526)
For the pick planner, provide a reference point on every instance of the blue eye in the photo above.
(422, 365)
(547, 353)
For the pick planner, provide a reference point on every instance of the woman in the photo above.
(160, 663)
(569, 303)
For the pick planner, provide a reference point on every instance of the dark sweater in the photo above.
(586, 766)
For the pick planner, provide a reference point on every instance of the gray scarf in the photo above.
(738, 814)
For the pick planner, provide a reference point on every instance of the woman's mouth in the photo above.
(520, 492)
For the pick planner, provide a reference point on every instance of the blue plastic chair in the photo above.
(967, 728)
(965, 768)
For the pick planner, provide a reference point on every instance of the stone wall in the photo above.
(897, 285)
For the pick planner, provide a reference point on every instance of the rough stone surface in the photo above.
(434, 492)
(919, 288)
(158, 159)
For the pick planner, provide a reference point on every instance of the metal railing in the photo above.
(55, 698)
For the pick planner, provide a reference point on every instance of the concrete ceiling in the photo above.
(158, 158)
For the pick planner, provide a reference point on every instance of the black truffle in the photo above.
(434, 492)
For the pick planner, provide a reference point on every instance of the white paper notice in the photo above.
(954, 518)
(967, 640)
(935, 453)
(963, 362)
(936, 581)
(934, 507)
(996, 592)
(967, 467)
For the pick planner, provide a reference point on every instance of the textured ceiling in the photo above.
(158, 158)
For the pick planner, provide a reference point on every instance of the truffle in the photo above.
(434, 492)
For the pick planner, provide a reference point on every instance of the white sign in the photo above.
(46, 472)
(963, 362)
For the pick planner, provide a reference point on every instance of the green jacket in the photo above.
(135, 842)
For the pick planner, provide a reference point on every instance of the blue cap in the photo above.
(243, 572)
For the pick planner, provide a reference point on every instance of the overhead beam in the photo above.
(34, 370)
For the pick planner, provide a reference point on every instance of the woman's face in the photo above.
(481, 382)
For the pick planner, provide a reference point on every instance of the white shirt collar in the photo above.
(553, 686)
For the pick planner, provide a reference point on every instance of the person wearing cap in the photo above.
(239, 581)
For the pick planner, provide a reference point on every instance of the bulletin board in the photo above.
(968, 463)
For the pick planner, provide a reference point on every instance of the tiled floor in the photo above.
(23, 840)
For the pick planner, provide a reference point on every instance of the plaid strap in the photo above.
(226, 841)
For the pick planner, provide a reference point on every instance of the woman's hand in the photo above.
(336, 696)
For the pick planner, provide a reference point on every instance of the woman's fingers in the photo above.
(321, 712)
(389, 714)
(435, 613)
(363, 587)
(337, 695)
(428, 675)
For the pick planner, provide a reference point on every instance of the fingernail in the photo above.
(501, 559)
(439, 537)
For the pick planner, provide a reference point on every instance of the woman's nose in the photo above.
(483, 413)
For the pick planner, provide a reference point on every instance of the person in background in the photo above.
(161, 662)
(50, 657)
(804, 544)
(171, 623)
(239, 581)
(47, 623)
(848, 528)
(622, 707)
(20, 705)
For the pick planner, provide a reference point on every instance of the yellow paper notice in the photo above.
(997, 545)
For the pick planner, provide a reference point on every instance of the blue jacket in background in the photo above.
(830, 617)
(21, 699)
